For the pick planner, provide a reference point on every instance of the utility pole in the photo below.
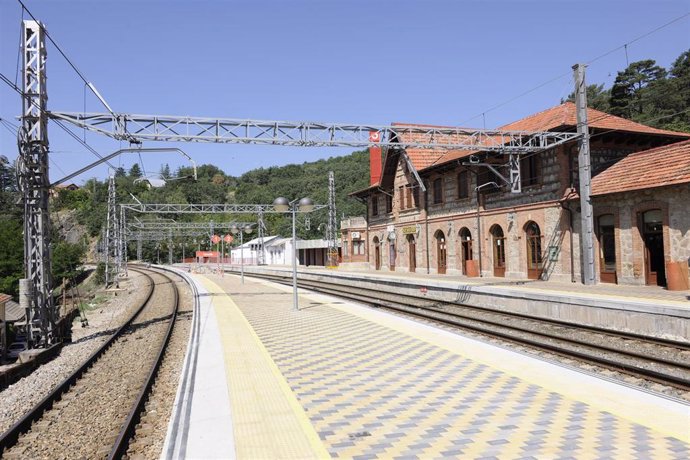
(37, 290)
(585, 175)
(123, 241)
(332, 223)
(260, 256)
(170, 248)
(139, 247)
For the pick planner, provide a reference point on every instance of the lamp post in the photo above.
(282, 204)
(241, 230)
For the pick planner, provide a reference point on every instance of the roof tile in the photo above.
(656, 167)
(558, 117)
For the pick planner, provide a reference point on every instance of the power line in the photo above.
(541, 85)
(638, 38)
(69, 61)
(58, 122)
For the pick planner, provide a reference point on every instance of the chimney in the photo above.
(374, 159)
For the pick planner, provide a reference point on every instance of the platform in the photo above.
(336, 379)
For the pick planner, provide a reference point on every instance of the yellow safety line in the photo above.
(229, 314)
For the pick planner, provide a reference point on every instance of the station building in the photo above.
(466, 223)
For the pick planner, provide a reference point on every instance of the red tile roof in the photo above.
(657, 167)
(5, 297)
(565, 115)
(558, 117)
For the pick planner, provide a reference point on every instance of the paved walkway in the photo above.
(336, 379)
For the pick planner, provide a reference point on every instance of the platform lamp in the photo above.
(241, 230)
(282, 204)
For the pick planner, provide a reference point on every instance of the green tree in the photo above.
(135, 171)
(679, 94)
(67, 260)
(634, 89)
(11, 255)
(597, 97)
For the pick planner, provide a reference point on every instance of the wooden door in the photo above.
(534, 256)
(377, 255)
(655, 271)
(499, 256)
(653, 237)
(412, 247)
(441, 252)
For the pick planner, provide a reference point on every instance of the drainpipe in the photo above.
(479, 235)
(566, 207)
(426, 224)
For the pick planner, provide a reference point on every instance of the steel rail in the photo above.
(127, 430)
(10, 437)
(375, 298)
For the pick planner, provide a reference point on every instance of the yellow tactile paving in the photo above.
(672, 423)
(268, 422)
(379, 387)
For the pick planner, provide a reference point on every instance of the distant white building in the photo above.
(275, 249)
(278, 251)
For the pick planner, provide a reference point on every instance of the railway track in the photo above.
(93, 413)
(666, 362)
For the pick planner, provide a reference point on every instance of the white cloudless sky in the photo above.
(356, 61)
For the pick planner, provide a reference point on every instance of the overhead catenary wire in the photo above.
(57, 122)
(589, 62)
(69, 61)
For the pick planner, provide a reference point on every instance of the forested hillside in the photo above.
(648, 93)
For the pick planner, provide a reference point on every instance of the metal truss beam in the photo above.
(185, 208)
(163, 225)
(160, 236)
(139, 128)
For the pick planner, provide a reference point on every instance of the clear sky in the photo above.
(356, 61)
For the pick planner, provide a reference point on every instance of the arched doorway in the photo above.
(498, 240)
(465, 248)
(607, 248)
(653, 237)
(534, 256)
(412, 248)
(377, 253)
(441, 252)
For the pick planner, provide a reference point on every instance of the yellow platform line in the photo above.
(268, 420)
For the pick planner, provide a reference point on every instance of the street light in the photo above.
(282, 204)
(234, 229)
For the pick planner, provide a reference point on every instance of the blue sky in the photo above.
(435, 62)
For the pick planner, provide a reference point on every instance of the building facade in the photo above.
(462, 220)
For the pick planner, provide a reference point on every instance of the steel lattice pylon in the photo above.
(32, 165)
(261, 256)
(332, 223)
(112, 244)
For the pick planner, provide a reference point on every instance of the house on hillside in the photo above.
(56, 190)
(467, 223)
